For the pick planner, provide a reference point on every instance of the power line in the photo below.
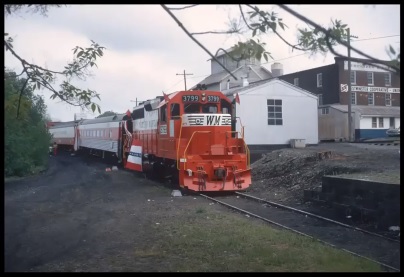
(375, 62)
(173, 85)
(375, 38)
(284, 58)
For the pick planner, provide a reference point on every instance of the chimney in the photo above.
(245, 81)
(277, 69)
(228, 84)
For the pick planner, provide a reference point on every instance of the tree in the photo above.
(26, 139)
(79, 67)
(107, 113)
(315, 39)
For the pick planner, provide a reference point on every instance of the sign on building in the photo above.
(356, 66)
(344, 88)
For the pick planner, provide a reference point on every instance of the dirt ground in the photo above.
(283, 175)
(78, 217)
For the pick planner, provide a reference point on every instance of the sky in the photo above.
(146, 51)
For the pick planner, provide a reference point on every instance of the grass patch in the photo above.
(35, 171)
(214, 241)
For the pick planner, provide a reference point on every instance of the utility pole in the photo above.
(135, 101)
(350, 138)
(185, 79)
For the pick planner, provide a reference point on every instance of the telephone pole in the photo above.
(185, 79)
(350, 138)
(136, 101)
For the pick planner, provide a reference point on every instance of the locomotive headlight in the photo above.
(203, 97)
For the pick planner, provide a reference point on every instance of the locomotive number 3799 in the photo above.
(195, 98)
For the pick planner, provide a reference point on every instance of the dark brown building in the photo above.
(375, 98)
(370, 85)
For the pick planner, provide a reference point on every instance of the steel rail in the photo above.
(296, 231)
(314, 216)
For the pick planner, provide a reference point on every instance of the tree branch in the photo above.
(24, 62)
(305, 19)
(19, 99)
(216, 32)
(276, 32)
(332, 50)
(183, 8)
(228, 54)
(245, 21)
(196, 41)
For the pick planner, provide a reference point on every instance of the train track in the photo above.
(314, 216)
(329, 232)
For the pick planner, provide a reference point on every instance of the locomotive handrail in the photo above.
(189, 142)
(247, 150)
(178, 146)
(242, 127)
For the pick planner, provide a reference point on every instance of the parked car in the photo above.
(393, 132)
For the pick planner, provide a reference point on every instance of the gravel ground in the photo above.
(282, 175)
(78, 217)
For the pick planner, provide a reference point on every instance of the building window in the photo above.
(381, 125)
(388, 99)
(371, 98)
(319, 80)
(370, 79)
(296, 82)
(387, 79)
(320, 99)
(374, 122)
(325, 110)
(353, 77)
(353, 98)
(275, 112)
(392, 122)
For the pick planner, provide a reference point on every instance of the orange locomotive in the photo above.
(190, 136)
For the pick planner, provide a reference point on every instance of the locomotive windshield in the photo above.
(200, 108)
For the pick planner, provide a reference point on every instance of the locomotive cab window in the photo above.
(226, 107)
(209, 108)
(191, 108)
(175, 111)
(163, 113)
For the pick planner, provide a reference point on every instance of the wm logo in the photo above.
(213, 120)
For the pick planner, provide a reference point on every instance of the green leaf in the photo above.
(93, 107)
(254, 14)
(99, 109)
(392, 50)
(254, 32)
(80, 53)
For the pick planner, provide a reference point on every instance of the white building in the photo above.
(273, 112)
(368, 122)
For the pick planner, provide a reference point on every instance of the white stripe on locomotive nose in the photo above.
(135, 155)
(206, 120)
